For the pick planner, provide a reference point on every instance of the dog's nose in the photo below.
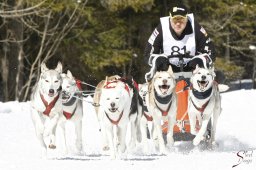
(203, 77)
(112, 104)
(165, 81)
(51, 91)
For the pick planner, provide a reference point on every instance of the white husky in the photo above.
(72, 115)
(204, 104)
(47, 106)
(114, 110)
(163, 105)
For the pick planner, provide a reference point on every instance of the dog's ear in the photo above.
(170, 71)
(59, 67)
(196, 69)
(63, 75)
(69, 74)
(43, 67)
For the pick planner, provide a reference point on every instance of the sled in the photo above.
(181, 129)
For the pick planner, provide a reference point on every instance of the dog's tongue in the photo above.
(163, 88)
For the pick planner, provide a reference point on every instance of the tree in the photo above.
(45, 24)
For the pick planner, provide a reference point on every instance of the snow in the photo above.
(20, 150)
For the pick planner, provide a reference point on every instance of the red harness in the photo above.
(48, 107)
(149, 118)
(200, 109)
(164, 113)
(109, 86)
(115, 122)
(69, 115)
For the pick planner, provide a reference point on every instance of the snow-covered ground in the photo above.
(20, 150)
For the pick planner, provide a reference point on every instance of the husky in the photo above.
(162, 102)
(204, 104)
(46, 106)
(97, 94)
(72, 115)
(146, 120)
(114, 115)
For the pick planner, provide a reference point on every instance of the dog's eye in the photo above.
(56, 81)
(208, 73)
(47, 81)
(117, 98)
(108, 98)
(67, 87)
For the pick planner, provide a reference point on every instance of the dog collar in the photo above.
(202, 95)
(163, 100)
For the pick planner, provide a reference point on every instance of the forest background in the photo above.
(98, 38)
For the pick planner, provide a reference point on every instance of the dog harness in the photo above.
(200, 109)
(48, 107)
(164, 100)
(69, 115)
(115, 122)
(109, 86)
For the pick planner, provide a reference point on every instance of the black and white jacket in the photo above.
(194, 40)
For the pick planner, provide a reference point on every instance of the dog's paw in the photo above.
(197, 140)
(170, 140)
(105, 148)
(121, 148)
(163, 150)
(132, 144)
(52, 146)
(193, 131)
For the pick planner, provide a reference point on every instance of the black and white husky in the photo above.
(46, 106)
(70, 122)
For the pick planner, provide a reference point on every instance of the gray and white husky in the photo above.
(46, 106)
(70, 122)
(204, 104)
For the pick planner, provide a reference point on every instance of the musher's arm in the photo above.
(154, 44)
(203, 42)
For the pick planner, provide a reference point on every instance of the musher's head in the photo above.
(178, 17)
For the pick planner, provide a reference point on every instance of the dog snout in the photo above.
(164, 81)
(51, 91)
(203, 77)
(112, 104)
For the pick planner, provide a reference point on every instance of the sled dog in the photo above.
(115, 112)
(146, 120)
(204, 104)
(96, 97)
(72, 115)
(163, 105)
(46, 106)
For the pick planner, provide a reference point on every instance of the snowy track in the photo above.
(19, 148)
